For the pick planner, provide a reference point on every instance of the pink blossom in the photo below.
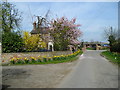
(73, 31)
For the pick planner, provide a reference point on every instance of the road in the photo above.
(35, 76)
(92, 71)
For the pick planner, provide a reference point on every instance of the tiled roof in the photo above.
(34, 32)
(41, 30)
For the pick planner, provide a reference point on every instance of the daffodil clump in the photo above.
(39, 59)
(30, 60)
(12, 61)
(26, 60)
(33, 59)
(45, 59)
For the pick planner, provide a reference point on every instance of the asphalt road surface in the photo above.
(92, 71)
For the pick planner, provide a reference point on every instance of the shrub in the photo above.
(12, 42)
(115, 47)
(33, 42)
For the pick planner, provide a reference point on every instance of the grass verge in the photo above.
(112, 57)
(52, 62)
(49, 62)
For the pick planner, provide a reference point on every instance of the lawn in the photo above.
(112, 56)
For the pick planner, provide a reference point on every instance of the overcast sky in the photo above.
(93, 16)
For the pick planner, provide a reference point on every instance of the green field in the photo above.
(112, 57)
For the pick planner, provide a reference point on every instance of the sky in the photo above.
(93, 17)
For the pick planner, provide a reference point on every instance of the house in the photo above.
(43, 32)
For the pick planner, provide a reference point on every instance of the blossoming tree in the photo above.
(64, 32)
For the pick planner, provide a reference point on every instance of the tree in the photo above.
(113, 39)
(64, 32)
(0, 23)
(11, 39)
(43, 21)
(11, 17)
(33, 42)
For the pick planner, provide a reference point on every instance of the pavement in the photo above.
(92, 71)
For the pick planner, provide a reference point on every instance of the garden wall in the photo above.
(7, 56)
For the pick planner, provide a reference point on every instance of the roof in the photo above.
(34, 32)
(41, 30)
(94, 43)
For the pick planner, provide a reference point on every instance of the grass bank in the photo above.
(51, 62)
(45, 60)
(112, 57)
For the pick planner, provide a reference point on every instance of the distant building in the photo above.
(96, 45)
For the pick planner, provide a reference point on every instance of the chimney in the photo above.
(34, 25)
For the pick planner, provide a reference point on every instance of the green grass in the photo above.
(112, 57)
(90, 49)
(50, 62)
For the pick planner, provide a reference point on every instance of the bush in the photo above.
(32, 42)
(115, 47)
(12, 42)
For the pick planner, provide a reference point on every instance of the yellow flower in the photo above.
(62, 56)
(17, 58)
(49, 57)
(55, 56)
(12, 59)
(58, 56)
(44, 56)
(25, 58)
(38, 56)
(33, 58)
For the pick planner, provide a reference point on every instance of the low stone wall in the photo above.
(7, 56)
